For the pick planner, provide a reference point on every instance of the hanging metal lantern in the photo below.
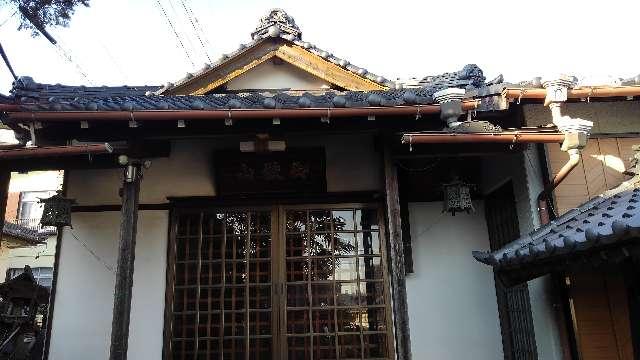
(457, 197)
(57, 211)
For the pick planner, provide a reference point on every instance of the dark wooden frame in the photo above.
(123, 291)
(631, 270)
(516, 327)
(54, 281)
(395, 253)
(188, 205)
(5, 178)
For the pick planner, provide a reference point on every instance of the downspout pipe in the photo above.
(574, 159)
(576, 134)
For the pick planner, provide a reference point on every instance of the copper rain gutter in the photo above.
(512, 137)
(576, 93)
(174, 115)
(55, 151)
(9, 107)
(507, 137)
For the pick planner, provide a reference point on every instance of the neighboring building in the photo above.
(293, 208)
(24, 210)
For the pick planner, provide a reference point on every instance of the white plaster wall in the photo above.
(352, 165)
(453, 312)
(271, 76)
(84, 299)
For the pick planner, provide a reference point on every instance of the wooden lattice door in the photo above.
(277, 283)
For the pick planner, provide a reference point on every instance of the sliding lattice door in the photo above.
(335, 289)
(222, 303)
(278, 283)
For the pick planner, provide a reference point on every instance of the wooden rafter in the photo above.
(328, 71)
(234, 74)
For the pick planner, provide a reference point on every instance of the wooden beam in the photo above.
(5, 177)
(234, 74)
(631, 271)
(200, 84)
(324, 69)
(396, 255)
(54, 282)
(126, 258)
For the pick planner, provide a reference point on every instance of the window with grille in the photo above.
(286, 283)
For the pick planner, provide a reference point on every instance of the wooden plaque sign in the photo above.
(291, 171)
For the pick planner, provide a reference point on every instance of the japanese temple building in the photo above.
(283, 203)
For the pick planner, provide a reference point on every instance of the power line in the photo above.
(175, 33)
(189, 14)
(179, 26)
(115, 63)
(9, 18)
(67, 56)
(95, 256)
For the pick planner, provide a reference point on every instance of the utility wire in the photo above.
(189, 14)
(115, 63)
(104, 263)
(178, 21)
(9, 18)
(200, 28)
(67, 56)
(175, 33)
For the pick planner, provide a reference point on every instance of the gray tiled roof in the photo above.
(265, 100)
(22, 233)
(609, 219)
(26, 90)
(33, 96)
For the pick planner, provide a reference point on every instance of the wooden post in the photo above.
(396, 255)
(126, 258)
(5, 177)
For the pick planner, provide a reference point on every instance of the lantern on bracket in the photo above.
(57, 211)
(457, 197)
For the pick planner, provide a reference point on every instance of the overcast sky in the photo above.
(117, 42)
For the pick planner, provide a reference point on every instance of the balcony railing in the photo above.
(34, 224)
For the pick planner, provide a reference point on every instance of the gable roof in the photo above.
(277, 36)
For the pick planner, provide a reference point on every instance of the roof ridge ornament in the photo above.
(277, 24)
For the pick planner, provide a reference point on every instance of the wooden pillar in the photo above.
(126, 258)
(5, 177)
(631, 270)
(396, 255)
